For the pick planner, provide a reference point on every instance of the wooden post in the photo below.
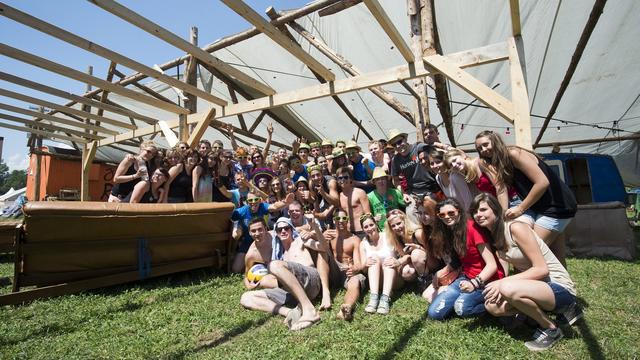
(38, 146)
(421, 119)
(88, 154)
(519, 95)
(190, 77)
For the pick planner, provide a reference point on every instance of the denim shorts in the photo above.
(562, 296)
(548, 222)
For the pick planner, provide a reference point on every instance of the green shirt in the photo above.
(381, 205)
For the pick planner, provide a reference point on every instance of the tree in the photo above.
(16, 179)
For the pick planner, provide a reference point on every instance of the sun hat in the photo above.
(394, 133)
(379, 173)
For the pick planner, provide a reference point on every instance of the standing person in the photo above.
(203, 176)
(156, 193)
(378, 258)
(315, 150)
(257, 157)
(431, 134)
(225, 169)
(305, 196)
(405, 163)
(353, 200)
(362, 168)
(345, 251)
(340, 144)
(479, 265)
(242, 216)
(131, 171)
(297, 278)
(548, 199)
(383, 198)
(325, 189)
(541, 284)
(378, 156)
(323, 163)
(339, 159)
(180, 183)
(452, 183)
(327, 147)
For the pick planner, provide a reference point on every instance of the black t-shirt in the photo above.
(419, 179)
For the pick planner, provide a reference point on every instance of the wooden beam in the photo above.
(63, 94)
(257, 122)
(519, 97)
(82, 43)
(468, 58)
(105, 94)
(43, 133)
(389, 28)
(38, 115)
(200, 128)
(589, 141)
(418, 31)
(473, 86)
(160, 32)
(88, 154)
(169, 135)
(80, 76)
(338, 59)
(272, 33)
(66, 110)
(337, 7)
(596, 11)
(272, 13)
(514, 7)
(40, 124)
(234, 99)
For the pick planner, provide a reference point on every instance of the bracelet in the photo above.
(480, 281)
(474, 282)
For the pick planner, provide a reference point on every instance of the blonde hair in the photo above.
(409, 229)
(471, 174)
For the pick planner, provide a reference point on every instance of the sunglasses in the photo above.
(253, 200)
(351, 153)
(227, 157)
(346, 177)
(243, 157)
(340, 218)
(281, 229)
(450, 214)
(257, 157)
(398, 143)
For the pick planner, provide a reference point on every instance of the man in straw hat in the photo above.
(362, 167)
(384, 198)
(420, 182)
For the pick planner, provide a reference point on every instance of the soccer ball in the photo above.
(257, 272)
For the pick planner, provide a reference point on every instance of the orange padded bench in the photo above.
(67, 247)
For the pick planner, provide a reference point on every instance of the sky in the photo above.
(212, 18)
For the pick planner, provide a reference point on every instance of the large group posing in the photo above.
(473, 235)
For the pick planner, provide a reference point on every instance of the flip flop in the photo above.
(303, 324)
(293, 316)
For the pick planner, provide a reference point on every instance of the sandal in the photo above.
(383, 305)
(373, 304)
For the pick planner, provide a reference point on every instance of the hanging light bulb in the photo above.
(461, 126)
(508, 131)
(558, 128)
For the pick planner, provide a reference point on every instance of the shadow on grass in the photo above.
(402, 341)
(590, 340)
(6, 258)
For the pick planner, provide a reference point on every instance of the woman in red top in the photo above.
(479, 265)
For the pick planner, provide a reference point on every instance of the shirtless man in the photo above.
(345, 251)
(265, 248)
(295, 274)
(353, 200)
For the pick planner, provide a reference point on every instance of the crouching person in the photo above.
(295, 275)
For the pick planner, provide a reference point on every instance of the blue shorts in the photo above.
(562, 296)
(548, 222)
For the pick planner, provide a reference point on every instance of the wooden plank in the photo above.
(80, 76)
(82, 43)
(274, 34)
(468, 58)
(389, 28)
(337, 7)
(473, 86)
(519, 97)
(169, 135)
(103, 281)
(63, 94)
(234, 99)
(88, 154)
(514, 7)
(43, 133)
(66, 110)
(36, 114)
(200, 128)
(40, 124)
(257, 122)
(160, 32)
(589, 141)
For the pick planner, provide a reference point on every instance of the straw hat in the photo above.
(327, 142)
(352, 145)
(337, 153)
(262, 173)
(379, 173)
(304, 146)
(315, 144)
(394, 133)
(302, 179)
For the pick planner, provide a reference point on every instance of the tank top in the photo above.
(557, 273)
(122, 190)
(385, 250)
(180, 188)
(205, 188)
(556, 202)
(484, 184)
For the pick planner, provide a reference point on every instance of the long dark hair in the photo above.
(444, 236)
(496, 236)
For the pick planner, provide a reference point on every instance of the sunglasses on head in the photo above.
(394, 213)
(253, 200)
(340, 218)
(284, 228)
(450, 214)
(344, 177)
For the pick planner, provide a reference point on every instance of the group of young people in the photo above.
(473, 235)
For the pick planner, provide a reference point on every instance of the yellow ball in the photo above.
(257, 272)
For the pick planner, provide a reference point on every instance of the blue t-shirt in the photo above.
(243, 215)
(304, 173)
(360, 171)
(238, 197)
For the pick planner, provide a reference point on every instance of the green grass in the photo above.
(197, 315)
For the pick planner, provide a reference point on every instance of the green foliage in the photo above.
(16, 179)
(197, 315)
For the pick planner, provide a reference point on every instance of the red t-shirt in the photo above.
(472, 262)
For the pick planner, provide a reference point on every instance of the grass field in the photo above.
(197, 315)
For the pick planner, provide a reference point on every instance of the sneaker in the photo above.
(544, 339)
(373, 304)
(571, 315)
(383, 305)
